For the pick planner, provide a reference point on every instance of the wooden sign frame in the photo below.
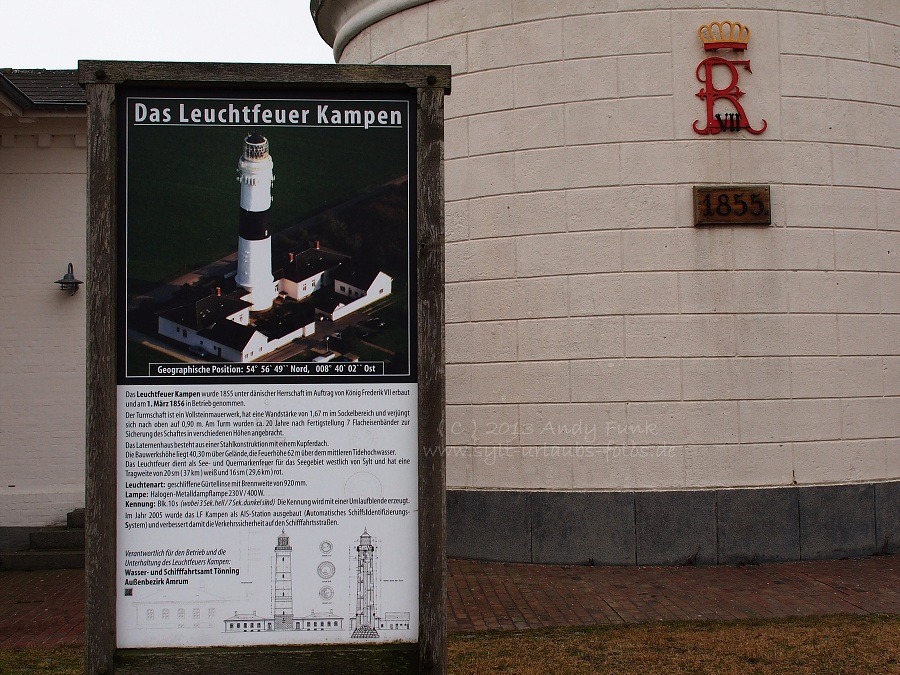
(102, 81)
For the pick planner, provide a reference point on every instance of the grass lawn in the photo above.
(843, 644)
(58, 661)
(802, 646)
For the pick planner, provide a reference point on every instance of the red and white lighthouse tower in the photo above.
(256, 175)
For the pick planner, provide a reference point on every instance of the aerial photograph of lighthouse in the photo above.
(266, 231)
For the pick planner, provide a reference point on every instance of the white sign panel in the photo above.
(267, 419)
(282, 514)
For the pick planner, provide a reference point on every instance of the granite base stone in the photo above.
(837, 521)
(583, 526)
(757, 526)
(489, 525)
(675, 528)
(679, 527)
(887, 517)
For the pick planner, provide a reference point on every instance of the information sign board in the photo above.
(268, 443)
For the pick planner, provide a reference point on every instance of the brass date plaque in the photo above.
(732, 205)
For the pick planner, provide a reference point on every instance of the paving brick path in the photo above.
(485, 596)
(47, 608)
(44, 608)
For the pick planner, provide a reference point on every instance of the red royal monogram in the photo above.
(729, 121)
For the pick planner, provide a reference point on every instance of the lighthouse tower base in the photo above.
(254, 272)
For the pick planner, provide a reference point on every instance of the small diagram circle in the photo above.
(362, 484)
(326, 546)
(325, 570)
(326, 592)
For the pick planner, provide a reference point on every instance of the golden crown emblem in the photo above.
(724, 35)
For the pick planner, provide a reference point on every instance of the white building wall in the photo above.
(302, 332)
(258, 345)
(588, 319)
(173, 330)
(42, 214)
(242, 317)
(302, 289)
(380, 288)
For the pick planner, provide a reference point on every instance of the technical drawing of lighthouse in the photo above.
(283, 618)
(256, 175)
(284, 600)
(366, 619)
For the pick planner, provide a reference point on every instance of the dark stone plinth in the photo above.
(758, 526)
(576, 528)
(676, 528)
(837, 521)
(489, 525)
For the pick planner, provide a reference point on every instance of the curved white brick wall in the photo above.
(596, 339)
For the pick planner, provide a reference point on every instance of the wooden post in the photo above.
(100, 488)
(432, 399)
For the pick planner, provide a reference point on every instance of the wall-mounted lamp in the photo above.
(69, 282)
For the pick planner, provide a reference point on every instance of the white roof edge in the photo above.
(346, 19)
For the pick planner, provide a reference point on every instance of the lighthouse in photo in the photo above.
(254, 271)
